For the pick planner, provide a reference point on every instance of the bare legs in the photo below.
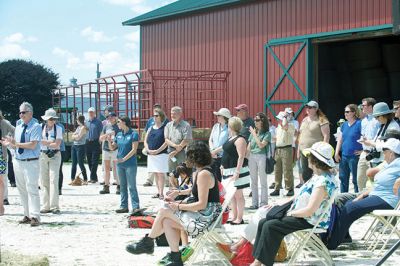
(107, 168)
(237, 207)
(160, 178)
(166, 222)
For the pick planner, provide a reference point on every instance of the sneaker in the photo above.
(25, 220)
(45, 211)
(105, 190)
(290, 193)
(272, 186)
(118, 190)
(92, 181)
(274, 193)
(56, 211)
(147, 184)
(145, 245)
(252, 207)
(6, 202)
(176, 259)
(34, 222)
(102, 183)
(122, 210)
(166, 259)
(186, 252)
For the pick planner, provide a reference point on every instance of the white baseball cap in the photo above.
(281, 115)
(223, 112)
(392, 144)
(288, 110)
(313, 104)
(91, 109)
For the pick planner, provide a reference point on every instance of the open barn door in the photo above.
(288, 75)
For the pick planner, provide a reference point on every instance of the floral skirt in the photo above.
(196, 223)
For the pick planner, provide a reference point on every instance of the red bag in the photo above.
(222, 192)
(141, 221)
(244, 257)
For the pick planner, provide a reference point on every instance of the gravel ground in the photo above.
(89, 232)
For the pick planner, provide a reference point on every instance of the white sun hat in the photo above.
(393, 145)
(323, 151)
(50, 113)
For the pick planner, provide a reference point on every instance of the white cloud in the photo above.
(12, 50)
(95, 36)
(139, 6)
(19, 38)
(133, 41)
(61, 52)
(124, 2)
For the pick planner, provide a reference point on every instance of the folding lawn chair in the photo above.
(390, 227)
(204, 246)
(308, 240)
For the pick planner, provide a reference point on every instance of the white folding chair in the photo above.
(308, 240)
(204, 246)
(379, 226)
(390, 227)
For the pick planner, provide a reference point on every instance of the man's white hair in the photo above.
(26, 106)
(176, 109)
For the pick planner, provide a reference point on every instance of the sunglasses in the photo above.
(156, 115)
(23, 112)
(348, 112)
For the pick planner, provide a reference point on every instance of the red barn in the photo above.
(281, 52)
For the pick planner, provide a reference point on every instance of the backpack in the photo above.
(143, 221)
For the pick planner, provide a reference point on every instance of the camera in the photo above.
(50, 153)
(372, 155)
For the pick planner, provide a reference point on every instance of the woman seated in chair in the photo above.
(307, 207)
(194, 216)
(381, 197)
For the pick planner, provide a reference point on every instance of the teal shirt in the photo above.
(124, 142)
(264, 137)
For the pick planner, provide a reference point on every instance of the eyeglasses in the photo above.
(156, 115)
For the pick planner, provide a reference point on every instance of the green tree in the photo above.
(21, 81)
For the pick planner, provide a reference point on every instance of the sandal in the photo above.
(156, 196)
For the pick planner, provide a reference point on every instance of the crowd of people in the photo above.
(367, 150)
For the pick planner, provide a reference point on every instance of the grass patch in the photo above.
(14, 259)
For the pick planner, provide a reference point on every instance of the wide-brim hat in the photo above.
(322, 151)
(50, 113)
(223, 112)
(393, 145)
(381, 108)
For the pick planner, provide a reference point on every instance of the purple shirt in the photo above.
(350, 135)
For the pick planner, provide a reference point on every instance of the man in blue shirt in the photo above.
(26, 142)
(369, 128)
(93, 144)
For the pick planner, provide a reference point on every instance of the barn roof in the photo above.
(181, 7)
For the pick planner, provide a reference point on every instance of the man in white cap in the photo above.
(26, 165)
(284, 155)
(50, 160)
(93, 144)
(219, 135)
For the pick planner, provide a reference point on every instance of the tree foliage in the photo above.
(21, 81)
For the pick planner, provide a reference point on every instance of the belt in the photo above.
(287, 146)
(27, 160)
(367, 151)
(44, 151)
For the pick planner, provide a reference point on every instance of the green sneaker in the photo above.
(186, 252)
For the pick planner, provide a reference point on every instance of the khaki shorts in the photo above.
(109, 155)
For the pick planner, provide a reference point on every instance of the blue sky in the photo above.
(70, 36)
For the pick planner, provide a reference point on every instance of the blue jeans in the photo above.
(127, 180)
(350, 212)
(78, 156)
(348, 164)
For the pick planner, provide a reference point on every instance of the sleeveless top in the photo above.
(230, 155)
(155, 138)
(213, 193)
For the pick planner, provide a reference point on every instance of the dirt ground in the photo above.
(89, 232)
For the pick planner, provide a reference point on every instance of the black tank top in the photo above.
(230, 155)
(213, 193)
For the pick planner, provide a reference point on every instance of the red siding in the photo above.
(232, 39)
